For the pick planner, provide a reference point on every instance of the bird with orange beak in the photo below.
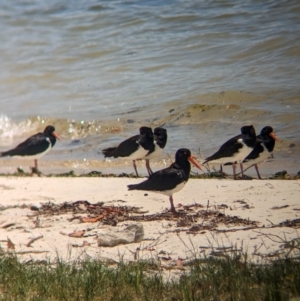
(34, 147)
(263, 148)
(172, 179)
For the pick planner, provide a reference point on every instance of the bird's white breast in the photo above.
(36, 156)
(172, 191)
(138, 154)
(263, 156)
(157, 152)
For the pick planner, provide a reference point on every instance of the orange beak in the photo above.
(55, 135)
(194, 162)
(273, 136)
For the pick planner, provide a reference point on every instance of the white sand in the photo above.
(160, 239)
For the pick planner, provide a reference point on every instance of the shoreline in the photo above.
(10, 167)
(210, 172)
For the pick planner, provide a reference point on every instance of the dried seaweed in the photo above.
(193, 218)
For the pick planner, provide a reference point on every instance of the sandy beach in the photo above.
(253, 216)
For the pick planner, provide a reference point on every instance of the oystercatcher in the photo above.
(235, 150)
(160, 141)
(135, 147)
(171, 179)
(34, 147)
(263, 148)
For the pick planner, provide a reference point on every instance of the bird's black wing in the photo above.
(227, 149)
(151, 149)
(269, 143)
(32, 146)
(257, 150)
(165, 179)
(124, 149)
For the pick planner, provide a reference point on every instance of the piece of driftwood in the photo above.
(28, 252)
(31, 241)
(8, 225)
(10, 244)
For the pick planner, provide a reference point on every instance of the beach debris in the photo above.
(34, 208)
(279, 207)
(116, 236)
(195, 218)
(294, 223)
(77, 234)
(10, 244)
(190, 218)
(281, 174)
(8, 225)
(20, 171)
(31, 252)
(287, 247)
(105, 211)
(84, 244)
(244, 204)
(92, 219)
(97, 212)
(33, 240)
(179, 262)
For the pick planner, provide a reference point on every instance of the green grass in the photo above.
(211, 279)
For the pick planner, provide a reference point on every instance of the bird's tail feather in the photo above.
(108, 152)
(131, 187)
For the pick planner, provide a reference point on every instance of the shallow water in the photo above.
(100, 70)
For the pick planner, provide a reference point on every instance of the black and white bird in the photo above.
(160, 141)
(263, 148)
(235, 150)
(34, 147)
(134, 148)
(169, 180)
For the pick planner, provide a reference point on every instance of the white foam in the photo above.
(12, 133)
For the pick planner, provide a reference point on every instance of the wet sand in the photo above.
(201, 124)
(281, 162)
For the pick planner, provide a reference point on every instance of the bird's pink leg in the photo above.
(234, 169)
(173, 210)
(242, 169)
(150, 172)
(35, 168)
(256, 167)
(134, 166)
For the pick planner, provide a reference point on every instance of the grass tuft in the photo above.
(218, 279)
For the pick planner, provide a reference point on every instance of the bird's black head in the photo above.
(248, 130)
(144, 130)
(266, 130)
(183, 155)
(50, 131)
(160, 131)
(160, 136)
